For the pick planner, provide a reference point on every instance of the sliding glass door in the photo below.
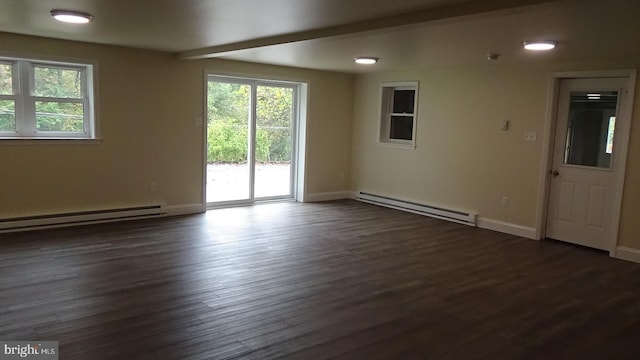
(250, 140)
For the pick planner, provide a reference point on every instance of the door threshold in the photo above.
(252, 203)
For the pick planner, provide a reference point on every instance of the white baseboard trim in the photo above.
(629, 254)
(186, 209)
(507, 228)
(328, 196)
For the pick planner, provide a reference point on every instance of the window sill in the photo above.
(49, 141)
(397, 146)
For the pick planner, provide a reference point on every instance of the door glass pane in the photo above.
(228, 114)
(591, 128)
(274, 119)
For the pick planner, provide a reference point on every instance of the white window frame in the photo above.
(23, 83)
(387, 90)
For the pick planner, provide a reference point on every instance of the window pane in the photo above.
(58, 116)
(401, 128)
(403, 101)
(55, 82)
(7, 115)
(6, 83)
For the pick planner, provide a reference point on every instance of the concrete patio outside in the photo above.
(227, 182)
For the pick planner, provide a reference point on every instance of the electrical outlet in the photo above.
(153, 186)
(505, 201)
(530, 136)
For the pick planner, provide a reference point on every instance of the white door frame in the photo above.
(622, 145)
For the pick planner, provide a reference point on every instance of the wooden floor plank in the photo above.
(340, 279)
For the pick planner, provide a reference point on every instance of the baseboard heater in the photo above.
(457, 216)
(80, 218)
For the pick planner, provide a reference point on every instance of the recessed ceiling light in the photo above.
(365, 60)
(73, 17)
(539, 45)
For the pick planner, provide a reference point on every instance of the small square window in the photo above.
(398, 113)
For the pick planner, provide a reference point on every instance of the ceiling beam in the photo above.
(463, 9)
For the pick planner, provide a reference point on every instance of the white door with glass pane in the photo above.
(250, 140)
(581, 200)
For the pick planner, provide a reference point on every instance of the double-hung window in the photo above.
(399, 113)
(40, 99)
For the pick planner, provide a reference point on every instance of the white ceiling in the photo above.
(327, 34)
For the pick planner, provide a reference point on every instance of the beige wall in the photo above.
(462, 159)
(147, 102)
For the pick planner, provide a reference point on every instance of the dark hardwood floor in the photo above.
(342, 280)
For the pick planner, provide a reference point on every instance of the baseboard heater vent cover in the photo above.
(461, 217)
(80, 218)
